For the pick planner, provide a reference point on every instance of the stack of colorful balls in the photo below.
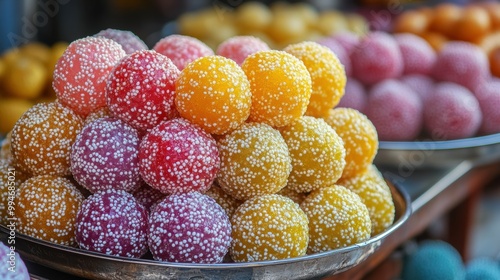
(192, 155)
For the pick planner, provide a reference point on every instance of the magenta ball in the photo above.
(127, 39)
(418, 56)
(182, 49)
(339, 51)
(421, 84)
(488, 96)
(238, 48)
(355, 96)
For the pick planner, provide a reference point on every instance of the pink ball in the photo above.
(462, 63)
(148, 196)
(105, 155)
(189, 228)
(488, 96)
(182, 49)
(423, 85)
(12, 267)
(349, 41)
(81, 72)
(113, 223)
(128, 40)
(377, 57)
(338, 50)
(355, 96)
(238, 48)
(451, 112)
(141, 89)
(418, 56)
(395, 110)
(177, 156)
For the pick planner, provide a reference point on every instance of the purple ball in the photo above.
(355, 96)
(112, 222)
(348, 40)
(418, 56)
(451, 112)
(12, 266)
(105, 156)
(128, 40)
(488, 96)
(189, 228)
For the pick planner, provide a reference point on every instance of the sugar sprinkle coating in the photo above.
(359, 136)
(281, 87)
(112, 222)
(141, 88)
(46, 208)
(226, 201)
(182, 49)
(178, 156)
(189, 228)
(127, 39)
(317, 152)
(254, 161)
(214, 93)
(42, 139)
(373, 193)
(238, 48)
(268, 227)
(105, 155)
(20, 271)
(81, 72)
(297, 197)
(148, 196)
(327, 75)
(337, 218)
(97, 114)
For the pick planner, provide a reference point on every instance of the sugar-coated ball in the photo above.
(112, 222)
(178, 156)
(488, 96)
(296, 196)
(359, 136)
(182, 49)
(189, 228)
(214, 93)
(42, 139)
(337, 218)
(238, 48)
(127, 39)
(317, 153)
(46, 208)
(327, 75)
(226, 201)
(348, 40)
(281, 87)
(418, 56)
(105, 155)
(268, 227)
(482, 269)
(97, 114)
(12, 267)
(451, 112)
(355, 96)
(423, 85)
(148, 196)
(81, 73)
(254, 161)
(141, 89)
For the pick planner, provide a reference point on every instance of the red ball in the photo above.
(182, 49)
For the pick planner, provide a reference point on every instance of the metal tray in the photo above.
(438, 154)
(92, 265)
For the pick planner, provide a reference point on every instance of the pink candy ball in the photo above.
(418, 56)
(113, 223)
(462, 63)
(177, 156)
(488, 96)
(81, 72)
(339, 51)
(141, 89)
(105, 155)
(127, 39)
(189, 228)
(238, 48)
(182, 49)
(451, 112)
(355, 96)
(395, 110)
(423, 85)
(12, 267)
(348, 40)
(377, 57)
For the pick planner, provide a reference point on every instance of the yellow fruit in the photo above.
(11, 109)
(26, 78)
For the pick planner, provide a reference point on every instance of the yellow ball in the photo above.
(227, 202)
(252, 16)
(25, 78)
(37, 51)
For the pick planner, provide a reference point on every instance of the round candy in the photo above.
(178, 156)
(418, 56)
(281, 87)
(355, 96)
(488, 96)
(359, 136)
(148, 196)
(238, 48)
(337, 218)
(12, 267)
(81, 73)
(42, 139)
(317, 152)
(327, 75)
(254, 161)
(214, 93)
(46, 208)
(189, 228)
(297, 197)
(227, 202)
(127, 39)
(348, 40)
(182, 49)
(339, 51)
(112, 222)
(423, 85)
(141, 89)
(268, 227)
(97, 114)
(105, 155)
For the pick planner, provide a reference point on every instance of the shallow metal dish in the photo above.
(438, 154)
(99, 266)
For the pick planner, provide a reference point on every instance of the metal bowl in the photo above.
(438, 154)
(92, 265)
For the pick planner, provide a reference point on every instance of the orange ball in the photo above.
(494, 58)
(444, 19)
(411, 22)
(474, 23)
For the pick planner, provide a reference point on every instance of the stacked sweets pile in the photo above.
(194, 155)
